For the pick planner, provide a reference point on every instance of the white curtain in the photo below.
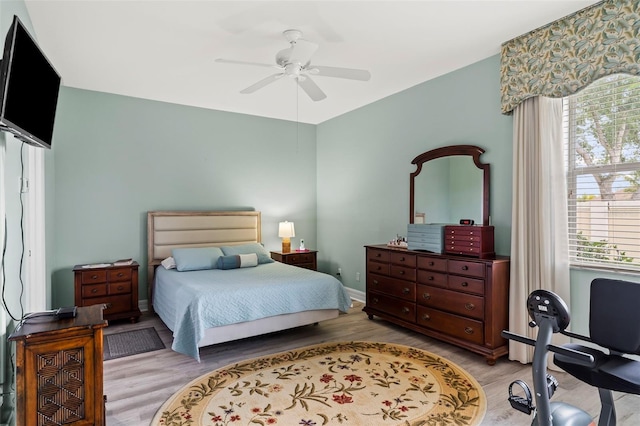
(539, 241)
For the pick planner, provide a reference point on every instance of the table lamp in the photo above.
(286, 231)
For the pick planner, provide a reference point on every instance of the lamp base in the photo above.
(286, 245)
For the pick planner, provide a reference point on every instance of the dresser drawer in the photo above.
(393, 287)
(453, 325)
(463, 304)
(402, 272)
(91, 277)
(432, 278)
(377, 267)
(466, 284)
(378, 255)
(432, 264)
(123, 274)
(393, 306)
(463, 267)
(408, 260)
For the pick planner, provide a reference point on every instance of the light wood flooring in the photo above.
(136, 386)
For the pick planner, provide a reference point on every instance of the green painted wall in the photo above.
(118, 157)
(364, 161)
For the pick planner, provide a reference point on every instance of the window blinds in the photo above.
(602, 152)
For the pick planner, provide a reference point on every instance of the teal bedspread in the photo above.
(190, 302)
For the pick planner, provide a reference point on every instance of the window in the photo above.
(602, 141)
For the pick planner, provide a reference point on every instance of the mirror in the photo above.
(449, 184)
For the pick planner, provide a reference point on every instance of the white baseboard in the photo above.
(356, 294)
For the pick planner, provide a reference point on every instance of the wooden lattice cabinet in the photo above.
(59, 370)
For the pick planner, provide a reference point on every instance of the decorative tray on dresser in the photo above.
(459, 300)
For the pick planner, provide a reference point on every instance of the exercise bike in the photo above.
(550, 314)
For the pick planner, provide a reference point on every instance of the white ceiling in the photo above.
(166, 50)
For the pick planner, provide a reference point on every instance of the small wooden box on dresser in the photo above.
(460, 300)
(114, 286)
(59, 370)
(304, 259)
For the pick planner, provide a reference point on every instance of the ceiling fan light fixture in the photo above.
(295, 61)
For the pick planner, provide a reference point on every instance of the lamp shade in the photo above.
(286, 230)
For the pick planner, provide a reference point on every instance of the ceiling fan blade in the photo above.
(261, 83)
(228, 61)
(311, 88)
(348, 73)
(302, 51)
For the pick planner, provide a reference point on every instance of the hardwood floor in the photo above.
(136, 386)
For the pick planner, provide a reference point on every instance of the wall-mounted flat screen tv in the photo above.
(29, 87)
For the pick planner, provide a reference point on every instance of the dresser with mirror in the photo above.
(460, 293)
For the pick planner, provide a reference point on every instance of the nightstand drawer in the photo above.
(94, 290)
(297, 259)
(303, 259)
(123, 274)
(120, 288)
(91, 277)
(115, 304)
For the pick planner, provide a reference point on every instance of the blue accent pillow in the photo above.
(261, 252)
(235, 261)
(195, 259)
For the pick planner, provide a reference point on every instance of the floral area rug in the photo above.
(345, 383)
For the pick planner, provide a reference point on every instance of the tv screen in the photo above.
(29, 89)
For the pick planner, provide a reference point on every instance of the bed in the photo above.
(210, 305)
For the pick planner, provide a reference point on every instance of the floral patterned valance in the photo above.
(564, 56)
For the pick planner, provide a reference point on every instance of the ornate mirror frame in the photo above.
(447, 151)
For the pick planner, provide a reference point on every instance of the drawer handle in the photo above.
(469, 306)
(431, 278)
(405, 310)
(401, 272)
(402, 259)
(431, 263)
(465, 284)
(94, 290)
(465, 267)
(426, 317)
(468, 330)
(120, 287)
(94, 277)
(426, 296)
(120, 274)
(375, 282)
(405, 290)
(375, 300)
(378, 255)
(379, 267)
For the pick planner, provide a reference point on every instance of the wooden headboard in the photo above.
(167, 230)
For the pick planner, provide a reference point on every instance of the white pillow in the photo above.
(169, 263)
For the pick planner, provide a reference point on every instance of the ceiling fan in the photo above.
(295, 62)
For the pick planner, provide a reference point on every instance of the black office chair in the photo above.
(614, 324)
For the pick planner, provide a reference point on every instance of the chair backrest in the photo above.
(614, 315)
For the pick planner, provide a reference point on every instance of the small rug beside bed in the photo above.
(341, 383)
(126, 343)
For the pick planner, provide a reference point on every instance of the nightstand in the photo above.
(114, 286)
(59, 370)
(304, 259)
